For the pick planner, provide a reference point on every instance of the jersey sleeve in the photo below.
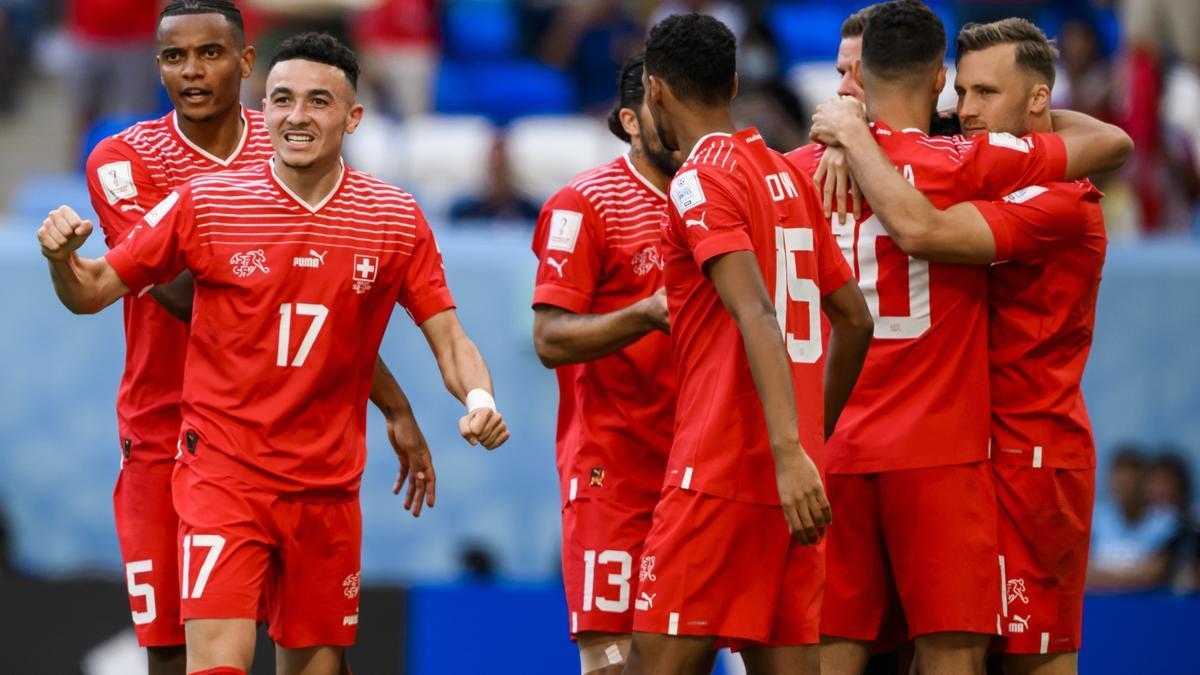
(706, 215)
(1035, 219)
(569, 243)
(424, 292)
(155, 251)
(120, 188)
(997, 164)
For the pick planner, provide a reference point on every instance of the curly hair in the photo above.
(320, 48)
(696, 55)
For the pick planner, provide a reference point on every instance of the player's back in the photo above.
(291, 303)
(1042, 303)
(598, 243)
(735, 194)
(128, 174)
(917, 402)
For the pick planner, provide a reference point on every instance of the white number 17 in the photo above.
(318, 312)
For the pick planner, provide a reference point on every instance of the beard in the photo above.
(662, 159)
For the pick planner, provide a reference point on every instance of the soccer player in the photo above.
(1050, 239)
(202, 61)
(850, 51)
(601, 321)
(912, 447)
(732, 556)
(280, 362)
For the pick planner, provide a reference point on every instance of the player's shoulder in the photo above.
(247, 182)
(806, 158)
(133, 144)
(596, 184)
(368, 194)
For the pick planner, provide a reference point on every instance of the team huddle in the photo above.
(804, 423)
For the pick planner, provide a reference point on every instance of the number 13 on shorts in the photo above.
(619, 565)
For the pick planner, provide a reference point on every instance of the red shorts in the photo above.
(148, 531)
(602, 542)
(246, 551)
(728, 569)
(1045, 529)
(921, 542)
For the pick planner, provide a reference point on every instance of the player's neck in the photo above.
(692, 125)
(647, 169)
(1040, 123)
(899, 112)
(219, 136)
(312, 183)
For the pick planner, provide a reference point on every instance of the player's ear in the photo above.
(736, 81)
(941, 81)
(353, 119)
(1039, 99)
(248, 55)
(630, 122)
(857, 71)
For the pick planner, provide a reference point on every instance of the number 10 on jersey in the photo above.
(317, 312)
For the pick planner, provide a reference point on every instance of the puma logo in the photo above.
(313, 261)
(697, 223)
(558, 265)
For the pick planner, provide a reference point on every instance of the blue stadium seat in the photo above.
(105, 127)
(39, 194)
(503, 90)
(479, 30)
(808, 31)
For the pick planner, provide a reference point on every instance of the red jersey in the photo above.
(128, 174)
(1042, 301)
(114, 20)
(597, 242)
(291, 303)
(919, 400)
(736, 194)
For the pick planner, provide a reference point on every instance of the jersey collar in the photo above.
(705, 137)
(311, 208)
(644, 181)
(208, 155)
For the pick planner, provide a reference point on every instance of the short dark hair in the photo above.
(856, 24)
(696, 55)
(1035, 52)
(225, 8)
(901, 35)
(320, 48)
(630, 93)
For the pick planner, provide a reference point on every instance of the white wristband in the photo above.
(478, 398)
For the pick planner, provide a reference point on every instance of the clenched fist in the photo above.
(484, 426)
(62, 232)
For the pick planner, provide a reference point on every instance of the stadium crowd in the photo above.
(1124, 61)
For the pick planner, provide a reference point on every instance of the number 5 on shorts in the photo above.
(214, 543)
(137, 590)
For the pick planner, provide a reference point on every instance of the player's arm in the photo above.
(739, 284)
(122, 192)
(416, 463)
(562, 337)
(83, 285)
(852, 330)
(466, 377)
(1092, 146)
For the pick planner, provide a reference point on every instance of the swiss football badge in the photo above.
(366, 267)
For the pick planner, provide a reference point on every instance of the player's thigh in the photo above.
(314, 601)
(859, 590)
(148, 533)
(1066, 663)
(711, 567)
(951, 653)
(940, 526)
(225, 546)
(655, 654)
(801, 660)
(326, 660)
(601, 552)
(212, 643)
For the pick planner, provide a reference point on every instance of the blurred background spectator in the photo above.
(398, 46)
(1169, 484)
(500, 200)
(1132, 536)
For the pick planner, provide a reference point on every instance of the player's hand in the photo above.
(834, 180)
(416, 464)
(62, 232)
(836, 117)
(656, 312)
(484, 426)
(802, 497)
